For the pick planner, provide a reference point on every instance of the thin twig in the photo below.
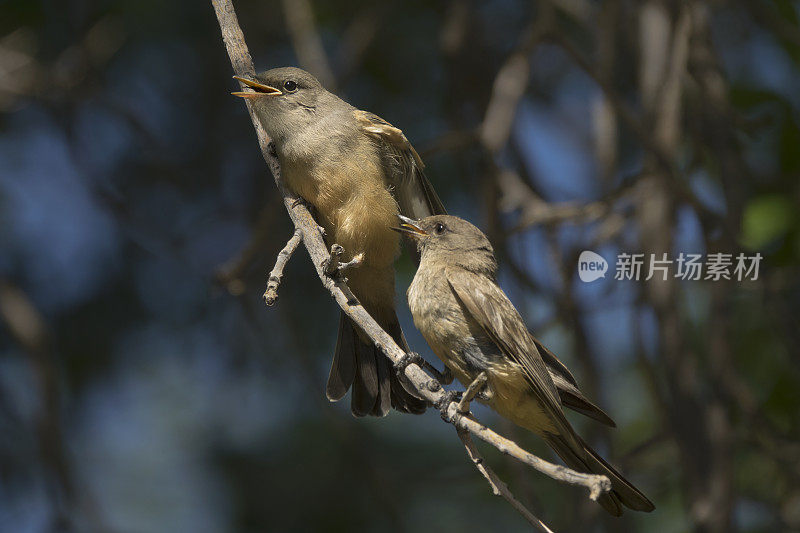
(596, 484)
(499, 488)
(425, 386)
(276, 275)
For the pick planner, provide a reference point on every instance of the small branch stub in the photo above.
(334, 267)
(276, 275)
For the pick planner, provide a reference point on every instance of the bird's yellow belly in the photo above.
(511, 395)
(514, 400)
(357, 211)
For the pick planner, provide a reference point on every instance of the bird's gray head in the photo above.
(451, 241)
(286, 99)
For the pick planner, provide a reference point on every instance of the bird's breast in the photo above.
(452, 335)
(346, 185)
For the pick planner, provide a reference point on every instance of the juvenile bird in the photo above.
(475, 330)
(358, 172)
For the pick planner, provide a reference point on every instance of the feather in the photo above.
(571, 396)
(343, 367)
(414, 193)
(584, 459)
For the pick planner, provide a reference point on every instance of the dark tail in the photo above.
(586, 459)
(376, 387)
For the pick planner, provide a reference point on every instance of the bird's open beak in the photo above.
(410, 227)
(259, 89)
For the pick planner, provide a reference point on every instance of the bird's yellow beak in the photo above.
(410, 227)
(259, 89)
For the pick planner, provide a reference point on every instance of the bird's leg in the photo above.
(485, 395)
(474, 389)
(444, 378)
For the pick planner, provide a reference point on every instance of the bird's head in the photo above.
(285, 99)
(450, 241)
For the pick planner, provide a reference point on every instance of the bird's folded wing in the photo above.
(488, 305)
(571, 396)
(412, 190)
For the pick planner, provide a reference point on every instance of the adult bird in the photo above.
(358, 172)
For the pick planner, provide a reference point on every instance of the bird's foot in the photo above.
(407, 359)
(476, 389)
(444, 378)
(444, 402)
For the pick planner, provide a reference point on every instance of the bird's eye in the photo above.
(439, 228)
(290, 86)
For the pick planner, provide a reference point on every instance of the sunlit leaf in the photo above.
(766, 219)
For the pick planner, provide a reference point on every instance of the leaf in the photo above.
(766, 219)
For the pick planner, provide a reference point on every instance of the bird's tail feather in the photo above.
(586, 459)
(361, 365)
(343, 367)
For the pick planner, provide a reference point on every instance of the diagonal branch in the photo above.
(499, 488)
(425, 386)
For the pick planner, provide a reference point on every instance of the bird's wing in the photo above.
(488, 305)
(412, 190)
(571, 396)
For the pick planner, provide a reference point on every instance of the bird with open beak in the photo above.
(358, 172)
(476, 331)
